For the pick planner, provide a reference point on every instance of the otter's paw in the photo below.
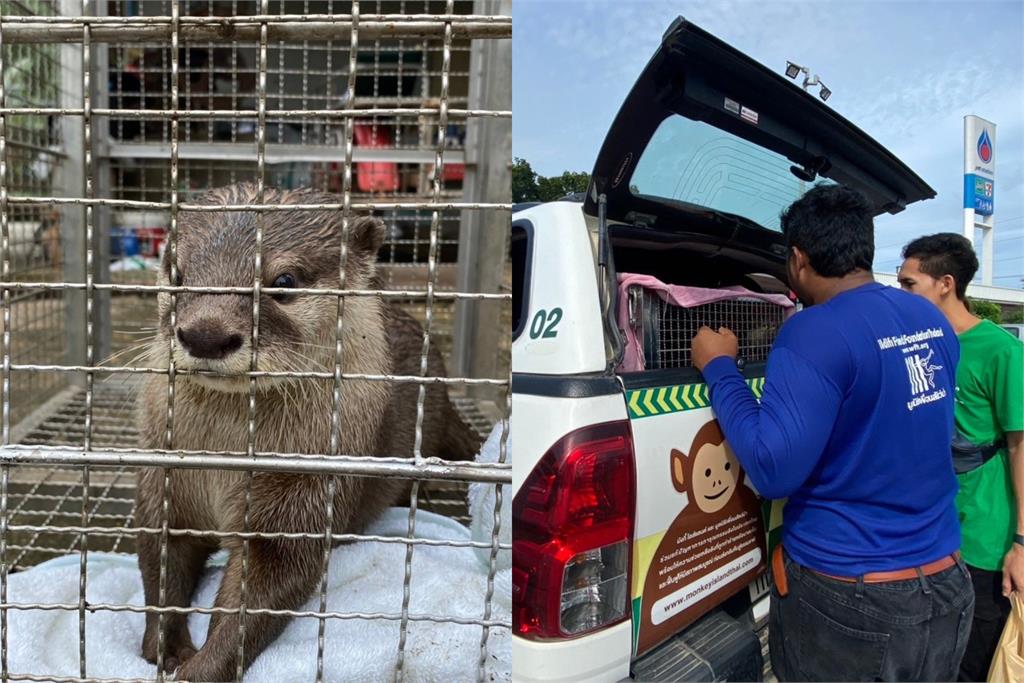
(172, 662)
(178, 648)
(202, 667)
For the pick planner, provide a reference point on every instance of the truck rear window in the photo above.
(521, 242)
(696, 163)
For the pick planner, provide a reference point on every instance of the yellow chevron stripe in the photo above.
(672, 398)
(661, 400)
(648, 394)
(634, 403)
(678, 397)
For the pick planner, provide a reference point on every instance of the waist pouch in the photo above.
(968, 455)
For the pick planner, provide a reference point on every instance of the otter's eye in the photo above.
(283, 281)
(707, 472)
(287, 280)
(728, 466)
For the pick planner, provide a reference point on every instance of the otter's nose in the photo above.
(207, 339)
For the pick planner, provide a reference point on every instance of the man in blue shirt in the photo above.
(854, 427)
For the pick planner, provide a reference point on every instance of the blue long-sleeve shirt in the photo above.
(854, 426)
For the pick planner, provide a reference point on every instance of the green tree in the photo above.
(986, 309)
(575, 181)
(529, 186)
(549, 189)
(1015, 316)
(558, 186)
(524, 182)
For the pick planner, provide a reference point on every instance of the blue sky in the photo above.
(904, 72)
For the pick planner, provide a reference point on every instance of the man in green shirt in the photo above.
(989, 412)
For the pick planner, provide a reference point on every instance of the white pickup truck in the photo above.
(639, 550)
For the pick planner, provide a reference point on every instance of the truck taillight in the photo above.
(572, 535)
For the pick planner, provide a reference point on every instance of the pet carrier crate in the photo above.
(115, 116)
(661, 330)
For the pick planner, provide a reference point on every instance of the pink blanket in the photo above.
(679, 295)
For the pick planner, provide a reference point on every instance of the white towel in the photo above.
(481, 504)
(363, 577)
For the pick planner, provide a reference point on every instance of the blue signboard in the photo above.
(979, 194)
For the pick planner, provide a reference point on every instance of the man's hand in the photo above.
(1013, 570)
(709, 345)
(1013, 563)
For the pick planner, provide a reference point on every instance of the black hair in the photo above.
(833, 225)
(945, 253)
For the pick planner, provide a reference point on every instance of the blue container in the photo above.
(123, 242)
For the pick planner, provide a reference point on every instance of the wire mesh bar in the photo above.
(235, 208)
(361, 466)
(282, 18)
(270, 535)
(299, 614)
(338, 333)
(431, 282)
(74, 679)
(89, 326)
(326, 291)
(21, 453)
(5, 381)
(313, 114)
(261, 150)
(295, 374)
(214, 31)
(165, 480)
(495, 534)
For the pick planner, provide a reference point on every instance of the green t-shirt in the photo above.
(989, 403)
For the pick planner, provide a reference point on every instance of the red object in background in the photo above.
(375, 176)
(453, 172)
(150, 240)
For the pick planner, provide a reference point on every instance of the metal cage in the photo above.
(665, 330)
(114, 116)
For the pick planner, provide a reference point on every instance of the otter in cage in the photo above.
(209, 335)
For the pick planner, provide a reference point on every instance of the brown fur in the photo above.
(292, 416)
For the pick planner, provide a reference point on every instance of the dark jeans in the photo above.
(831, 630)
(990, 612)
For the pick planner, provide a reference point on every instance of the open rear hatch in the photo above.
(710, 141)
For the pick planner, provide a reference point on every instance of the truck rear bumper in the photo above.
(603, 656)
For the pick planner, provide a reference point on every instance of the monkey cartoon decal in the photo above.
(713, 548)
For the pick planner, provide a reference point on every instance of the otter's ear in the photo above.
(678, 471)
(365, 235)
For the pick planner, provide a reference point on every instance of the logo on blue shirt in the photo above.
(921, 372)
